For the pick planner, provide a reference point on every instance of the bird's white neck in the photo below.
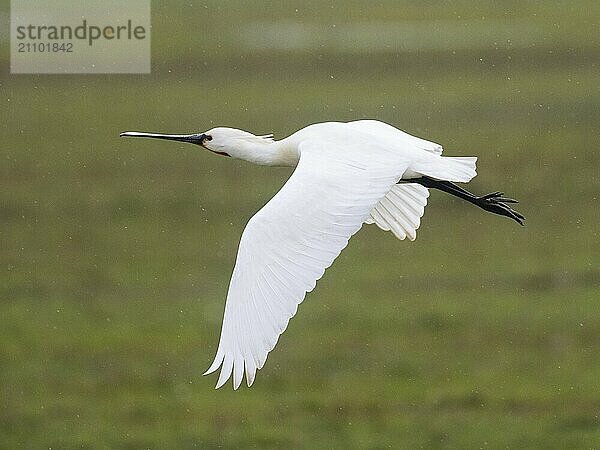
(266, 152)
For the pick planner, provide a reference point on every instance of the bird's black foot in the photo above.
(497, 204)
(493, 202)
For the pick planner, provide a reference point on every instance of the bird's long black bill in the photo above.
(190, 138)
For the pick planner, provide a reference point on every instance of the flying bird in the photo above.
(346, 175)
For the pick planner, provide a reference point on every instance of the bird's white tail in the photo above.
(451, 168)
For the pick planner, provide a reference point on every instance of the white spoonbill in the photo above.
(347, 174)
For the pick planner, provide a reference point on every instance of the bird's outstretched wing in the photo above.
(289, 243)
(400, 211)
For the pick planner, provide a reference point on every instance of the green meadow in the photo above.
(115, 255)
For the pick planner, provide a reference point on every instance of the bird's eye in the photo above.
(208, 138)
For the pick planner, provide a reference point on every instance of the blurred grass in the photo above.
(116, 255)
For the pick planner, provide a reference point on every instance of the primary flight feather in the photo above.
(347, 174)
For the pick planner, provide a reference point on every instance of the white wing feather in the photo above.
(289, 243)
(400, 211)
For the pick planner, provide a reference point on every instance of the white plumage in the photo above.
(347, 174)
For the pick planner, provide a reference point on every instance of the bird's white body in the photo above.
(263, 150)
(346, 175)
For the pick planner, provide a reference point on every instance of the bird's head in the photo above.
(222, 141)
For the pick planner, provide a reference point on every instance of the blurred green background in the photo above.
(116, 255)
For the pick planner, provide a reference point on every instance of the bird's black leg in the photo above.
(493, 202)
